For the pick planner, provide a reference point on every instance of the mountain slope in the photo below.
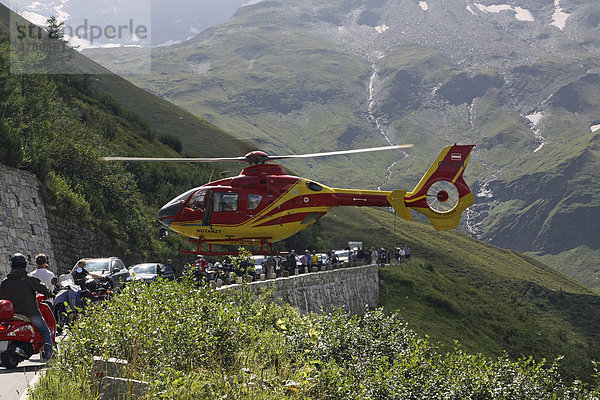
(518, 80)
(456, 288)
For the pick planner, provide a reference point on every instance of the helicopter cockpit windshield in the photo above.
(168, 212)
(196, 202)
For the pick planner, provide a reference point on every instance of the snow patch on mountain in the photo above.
(36, 18)
(534, 117)
(520, 13)
(61, 15)
(559, 18)
(382, 28)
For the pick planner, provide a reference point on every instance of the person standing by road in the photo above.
(314, 259)
(20, 288)
(382, 258)
(170, 263)
(42, 272)
(306, 260)
(269, 266)
(291, 262)
(334, 259)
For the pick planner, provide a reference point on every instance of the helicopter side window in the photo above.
(225, 202)
(196, 203)
(254, 201)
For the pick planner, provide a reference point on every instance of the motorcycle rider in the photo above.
(20, 288)
(80, 274)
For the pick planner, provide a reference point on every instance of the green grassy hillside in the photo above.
(197, 136)
(456, 288)
(289, 94)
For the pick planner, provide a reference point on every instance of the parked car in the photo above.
(111, 268)
(342, 256)
(258, 262)
(149, 272)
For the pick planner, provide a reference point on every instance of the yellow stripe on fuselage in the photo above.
(251, 227)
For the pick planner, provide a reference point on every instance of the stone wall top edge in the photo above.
(311, 279)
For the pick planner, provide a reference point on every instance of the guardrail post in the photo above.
(109, 374)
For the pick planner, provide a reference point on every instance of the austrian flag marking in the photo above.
(455, 157)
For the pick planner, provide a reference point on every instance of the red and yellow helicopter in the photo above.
(263, 204)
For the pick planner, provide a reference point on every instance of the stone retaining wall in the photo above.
(72, 242)
(23, 222)
(26, 227)
(351, 288)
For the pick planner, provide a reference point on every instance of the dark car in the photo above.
(149, 272)
(112, 268)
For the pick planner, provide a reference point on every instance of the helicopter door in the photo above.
(207, 208)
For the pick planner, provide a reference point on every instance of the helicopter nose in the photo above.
(167, 213)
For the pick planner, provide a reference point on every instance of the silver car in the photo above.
(149, 272)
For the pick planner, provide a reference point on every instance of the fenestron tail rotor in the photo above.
(442, 196)
(254, 157)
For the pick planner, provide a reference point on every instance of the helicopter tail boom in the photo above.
(442, 194)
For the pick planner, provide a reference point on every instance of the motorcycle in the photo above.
(67, 301)
(18, 339)
(100, 291)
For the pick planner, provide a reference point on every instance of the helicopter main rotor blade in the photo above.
(254, 157)
(341, 152)
(169, 159)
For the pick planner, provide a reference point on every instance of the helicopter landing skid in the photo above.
(249, 241)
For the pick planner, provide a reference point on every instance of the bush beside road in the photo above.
(190, 343)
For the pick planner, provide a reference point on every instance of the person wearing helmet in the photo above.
(314, 259)
(382, 257)
(80, 274)
(20, 288)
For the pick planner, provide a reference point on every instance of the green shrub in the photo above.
(191, 344)
(172, 141)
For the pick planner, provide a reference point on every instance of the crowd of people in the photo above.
(292, 263)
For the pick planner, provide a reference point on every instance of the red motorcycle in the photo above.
(18, 339)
